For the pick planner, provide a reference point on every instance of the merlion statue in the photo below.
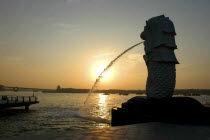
(159, 56)
(159, 105)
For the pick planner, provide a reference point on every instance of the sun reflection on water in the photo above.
(102, 104)
(102, 99)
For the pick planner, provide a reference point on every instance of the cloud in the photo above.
(183, 67)
(69, 0)
(16, 59)
(79, 1)
(103, 55)
(66, 27)
(3, 42)
(134, 58)
(12, 61)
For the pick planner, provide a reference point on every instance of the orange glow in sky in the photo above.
(70, 42)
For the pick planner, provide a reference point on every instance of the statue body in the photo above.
(159, 56)
(160, 106)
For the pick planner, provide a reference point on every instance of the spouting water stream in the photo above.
(107, 67)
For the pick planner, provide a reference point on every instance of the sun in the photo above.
(107, 75)
(100, 69)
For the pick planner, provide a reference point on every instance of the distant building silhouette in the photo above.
(58, 88)
(2, 87)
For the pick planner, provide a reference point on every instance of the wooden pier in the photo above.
(17, 101)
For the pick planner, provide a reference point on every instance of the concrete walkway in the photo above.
(144, 131)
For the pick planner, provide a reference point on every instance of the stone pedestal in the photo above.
(183, 110)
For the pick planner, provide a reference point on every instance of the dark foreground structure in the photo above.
(181, 110)
(17, 101)
(160, 105)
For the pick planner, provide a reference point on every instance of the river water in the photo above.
(60, 112)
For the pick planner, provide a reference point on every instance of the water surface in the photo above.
(59, 112)
(62, 112)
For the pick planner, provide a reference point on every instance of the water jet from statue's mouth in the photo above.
(107, 67)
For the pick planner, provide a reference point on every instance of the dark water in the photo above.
(58, 112)
(62, 112)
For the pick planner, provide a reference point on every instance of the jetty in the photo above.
(7, 101)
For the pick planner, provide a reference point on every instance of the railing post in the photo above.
(27, 108)
(16, 100)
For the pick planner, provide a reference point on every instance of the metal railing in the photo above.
(6, 99)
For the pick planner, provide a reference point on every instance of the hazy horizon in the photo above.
(68, 42)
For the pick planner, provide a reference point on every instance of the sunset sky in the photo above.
(45, 43)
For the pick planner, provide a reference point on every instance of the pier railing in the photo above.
(8, 99)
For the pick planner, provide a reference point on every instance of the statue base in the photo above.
(182, 110)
